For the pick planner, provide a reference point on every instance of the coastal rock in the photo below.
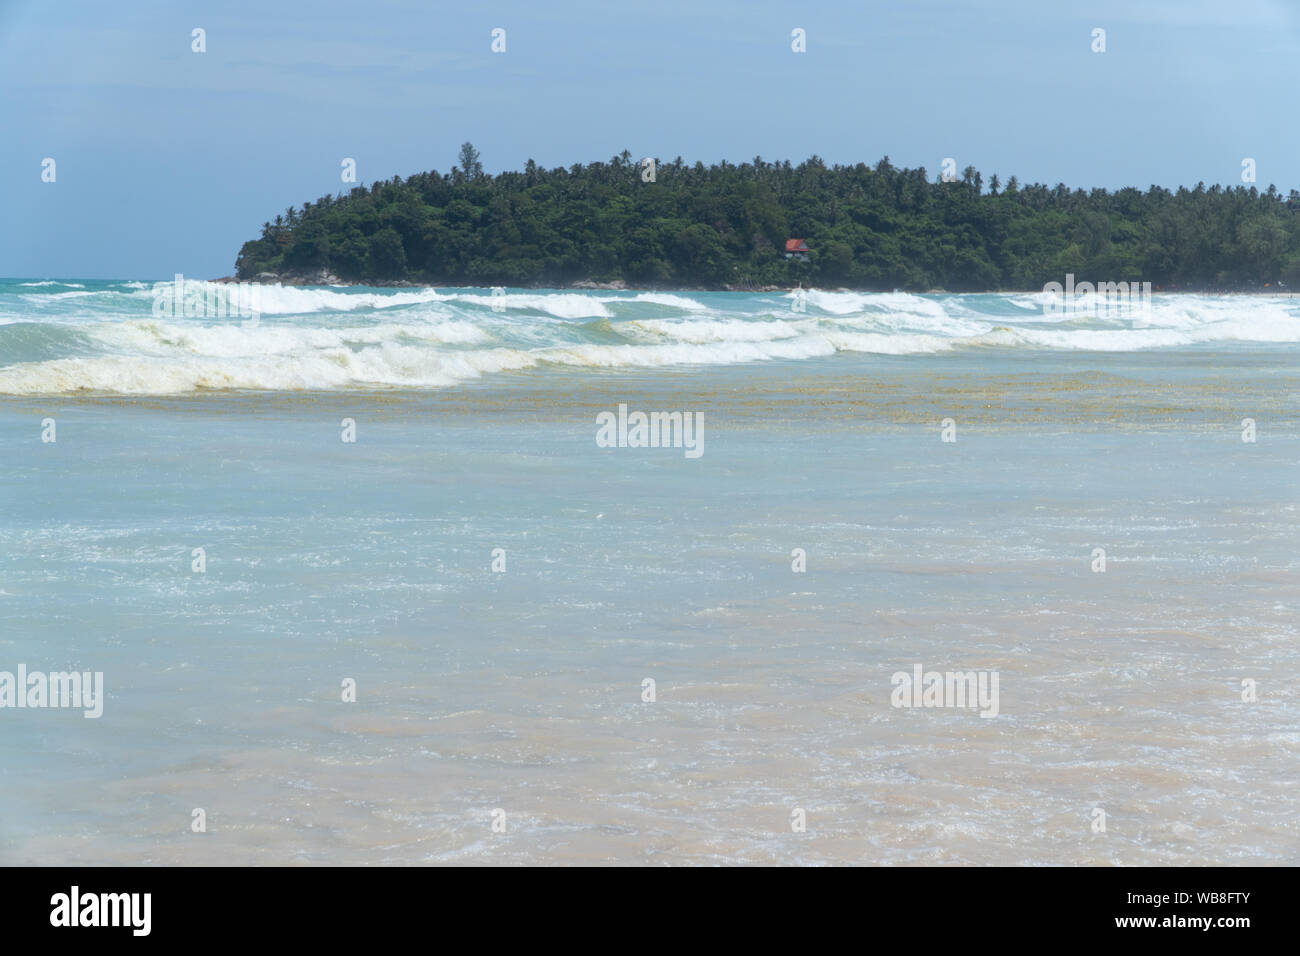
(319, 277)
(617, 285)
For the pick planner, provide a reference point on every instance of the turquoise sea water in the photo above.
(521, 690)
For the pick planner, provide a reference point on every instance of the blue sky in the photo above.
(167, 160)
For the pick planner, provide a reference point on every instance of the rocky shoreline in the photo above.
(325, 277)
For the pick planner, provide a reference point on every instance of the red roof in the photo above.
(796, 245)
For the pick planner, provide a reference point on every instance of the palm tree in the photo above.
(469, 161)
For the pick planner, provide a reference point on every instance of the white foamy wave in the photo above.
(1262, 317)
(1264, 327)
(561, 305)
(160, 338)
(939, 323)
(387, 365)
(48, 282)
(889, 344)
(1033, 300)
(704, 330)
(295, 300)
(423, 338)
(850, 303)
(301, 300)
(663, 298)
(837, 303)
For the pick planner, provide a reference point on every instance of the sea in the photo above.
(370, 577)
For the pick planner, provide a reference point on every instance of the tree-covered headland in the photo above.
(726, 226)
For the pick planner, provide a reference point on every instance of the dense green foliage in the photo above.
(726, 226)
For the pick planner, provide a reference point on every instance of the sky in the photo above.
(167, 160)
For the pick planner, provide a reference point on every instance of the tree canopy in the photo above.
(725, 226)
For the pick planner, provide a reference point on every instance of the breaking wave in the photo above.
(62, 337)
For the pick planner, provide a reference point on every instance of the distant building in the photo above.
(796, 249)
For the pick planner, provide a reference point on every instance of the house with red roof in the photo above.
(796, 249)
